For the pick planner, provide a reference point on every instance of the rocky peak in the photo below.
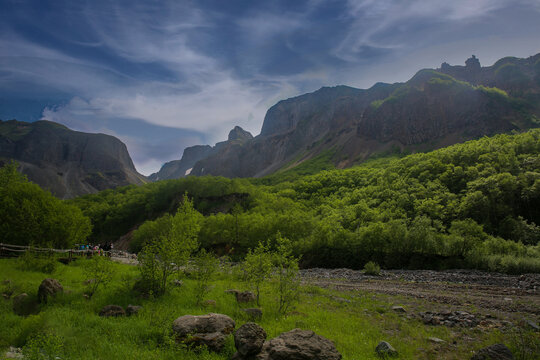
(473, 64)
(239, 134)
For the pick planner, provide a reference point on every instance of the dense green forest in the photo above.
(468, 205)
(473, 204)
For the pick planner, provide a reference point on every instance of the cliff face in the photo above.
(435, 108)
(66, 162)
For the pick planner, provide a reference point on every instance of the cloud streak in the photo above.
(187, 71)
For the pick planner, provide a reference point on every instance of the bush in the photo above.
(257, 268)
(31, 261)
(43, 346)
(372, 268)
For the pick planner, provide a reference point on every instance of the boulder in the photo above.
(178, 283)
(253, 313)
(112, 310)
(49, 287)
(494, 352)
(132, 309)
(299, 344)
(210, 330)
(249, 340)
(384, 349)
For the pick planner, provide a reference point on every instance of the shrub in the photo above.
(45, 263)
(372, 268)
(97, 271)
(257, 267)
(43, 346)
(286, 276)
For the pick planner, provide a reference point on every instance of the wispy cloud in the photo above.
(187, 71)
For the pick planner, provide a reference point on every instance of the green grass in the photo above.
(354, 321)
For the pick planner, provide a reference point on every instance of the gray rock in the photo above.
(47, 288)
(14, 353)
(245, 297)
(436, 340)
(298, 345)
(493, 352)
(384, 349)
(210, 330)
(399, 309)
(249, 339)
(532, 325)
(253, 313)
(132, 309)
(112, 310)
(178, 283)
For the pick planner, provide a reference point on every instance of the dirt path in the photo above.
(510, 296)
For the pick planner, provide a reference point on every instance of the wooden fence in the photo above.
(8, 250)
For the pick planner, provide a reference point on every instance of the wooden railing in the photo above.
(9, 250)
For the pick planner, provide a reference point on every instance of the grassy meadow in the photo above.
(69, 327)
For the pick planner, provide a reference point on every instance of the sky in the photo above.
(165, 75)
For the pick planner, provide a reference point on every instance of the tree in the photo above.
(258, 267)
(98, 272)
(164, 252)
(31, 215)
(286, 274)
(206, 266)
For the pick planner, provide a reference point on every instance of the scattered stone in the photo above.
(253, 313)
(532, 325)
(452, 319)
(49, 287)
(133, 309)
(399, 309)
(112, 310)
(249, 340)
(507, 299)
(209, 303)
(384, 349)
(341, 300)
(210, 330)
(14, 353)
(245, 297)
(494, 352)
(299, 344)
(178, 283)
(436, 340)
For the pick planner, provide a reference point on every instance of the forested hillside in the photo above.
(473, 204)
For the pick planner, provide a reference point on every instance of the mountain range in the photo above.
(340, 126)
(435, 108)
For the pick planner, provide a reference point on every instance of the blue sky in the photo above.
(164, 75)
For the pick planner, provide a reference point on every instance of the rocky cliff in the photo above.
(68, 163)
(433, 109)
(180, 168)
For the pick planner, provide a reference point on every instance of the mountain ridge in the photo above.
(435, 108)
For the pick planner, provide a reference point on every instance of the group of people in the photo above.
(97, 249)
